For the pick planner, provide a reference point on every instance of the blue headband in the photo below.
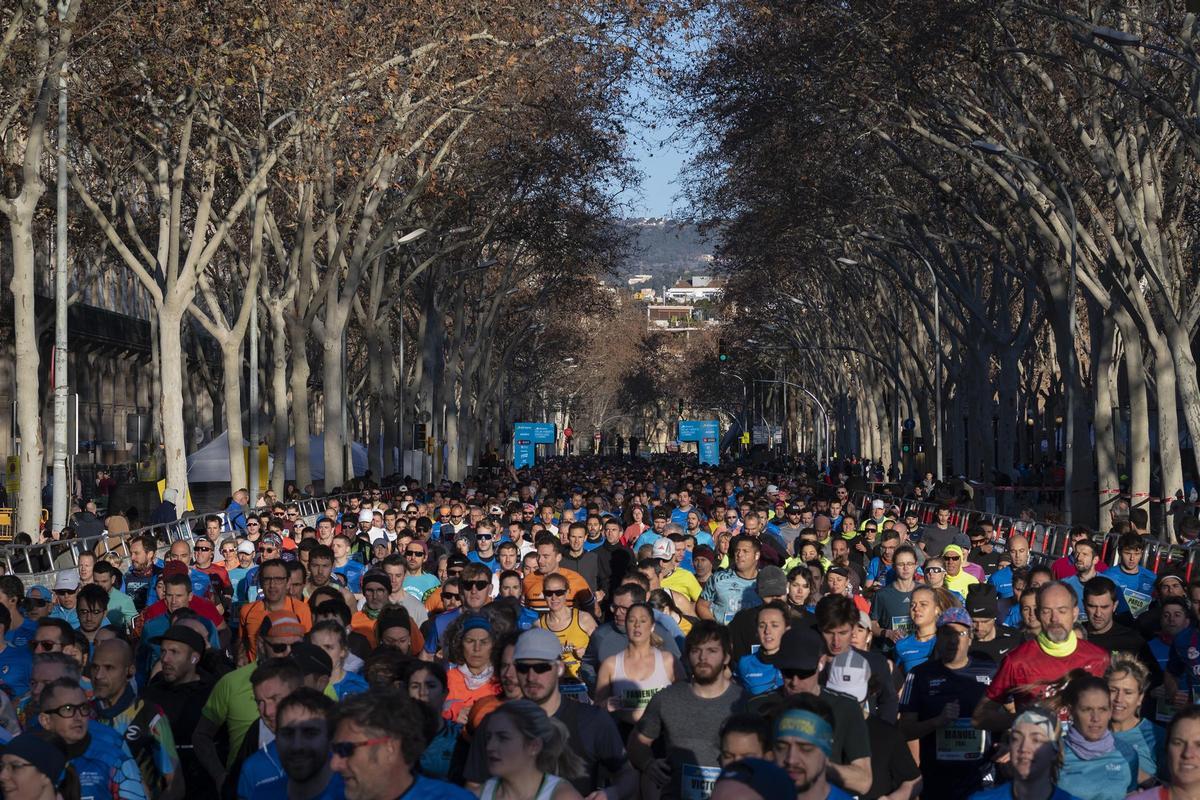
(477, 622)
(808, 727)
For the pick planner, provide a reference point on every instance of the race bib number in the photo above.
(1137, 602)
(575, 691)
(697, 782)
(958, 741)
(902, 624)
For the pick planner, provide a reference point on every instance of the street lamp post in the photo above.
(823, 450)
(998, 150)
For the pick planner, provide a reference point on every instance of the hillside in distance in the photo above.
(665, 249)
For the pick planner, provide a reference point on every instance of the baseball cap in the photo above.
(954, 616)
(537, 644)
(366, 515)
(864, 620)
(67, 581)
(311, 659)
(982, 600)
(703, 551)
(799, 649)
(848, 675)
(763, 778)
(838, 569)
(794, 508)
(771, 582)
(495, 511)
(876, 504)
(772, 489)
(246, 547)
(283, 623)
(952, 549)
(39, 592)
(664, 549)
(660, 513)
(184, 634)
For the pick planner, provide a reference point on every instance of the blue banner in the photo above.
(526, 437)
(707, 434)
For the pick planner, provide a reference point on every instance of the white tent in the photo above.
(316, 459)
(210, 464)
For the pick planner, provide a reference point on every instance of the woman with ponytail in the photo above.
(528, 756)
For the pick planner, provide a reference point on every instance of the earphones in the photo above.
(195, 659)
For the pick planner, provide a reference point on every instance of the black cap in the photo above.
(838, 569)
(799, 649)
(185, 635)
(794, 508)
(660, 513)
(311, 659)
(981, 600)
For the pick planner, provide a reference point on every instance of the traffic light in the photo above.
(722, 355)
(681, 406)
(906, 441)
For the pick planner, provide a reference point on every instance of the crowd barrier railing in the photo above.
(1047, 540)
(39, 563)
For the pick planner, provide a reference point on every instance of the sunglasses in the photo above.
(477, 586)
(202, 549)
(252, 524)
(39, 603)
(450, 596)
(555, 592)
(267, 549)
(952, 558)
(279, 648)
(346, 749)
(797, 673)
(935, 570)
(415, 553)
(227, 550)
(64, 592)
(537, 668)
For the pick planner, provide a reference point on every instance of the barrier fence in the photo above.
(39, 563)
(1047, 541)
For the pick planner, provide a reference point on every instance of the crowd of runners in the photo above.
(602, 629)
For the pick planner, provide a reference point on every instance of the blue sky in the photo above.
(659, 155)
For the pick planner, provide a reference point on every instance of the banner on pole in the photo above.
(707, 435)
(526, 437)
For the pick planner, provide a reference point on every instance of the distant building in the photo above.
(693, 290)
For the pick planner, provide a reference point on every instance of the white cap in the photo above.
(68, 581)
(366, 515)
(246, 547)
(772, 489)
(664, 549)
(876, 504)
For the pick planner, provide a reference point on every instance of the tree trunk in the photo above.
(387, 404)
(1188, 388)
(1170, 462)
(171, 359)
(1139, 407)
(335, 409)
(231, 367)
(279, 403)
(25, 349)
(301, 427)
(1105, 393)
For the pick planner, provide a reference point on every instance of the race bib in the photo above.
(958, 741)
(696, 782)
(902, 624)
(1137, 602)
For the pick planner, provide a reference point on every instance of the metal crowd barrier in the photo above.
(39, 563)
(1047, 541)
